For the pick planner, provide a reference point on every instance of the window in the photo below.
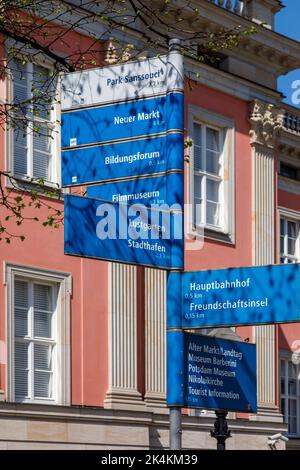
(290, 394)
(34, 134)
(38, 333)
(35, 340)
(289, 171)
(212, 194)
(289, 240)
(208, 187)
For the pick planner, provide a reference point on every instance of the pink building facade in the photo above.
(82, 341)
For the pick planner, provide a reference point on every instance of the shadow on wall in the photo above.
(155, 439)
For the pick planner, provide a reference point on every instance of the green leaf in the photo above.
(188, 143)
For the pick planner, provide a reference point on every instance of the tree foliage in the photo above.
(48, 30)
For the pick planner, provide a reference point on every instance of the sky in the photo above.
(287, 22)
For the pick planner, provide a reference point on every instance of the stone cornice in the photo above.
(260, 58)
(266, 121)
(275, 51)
(229, 83)
(272, 58)
(201, 15)
(118, 417)
(289, 148)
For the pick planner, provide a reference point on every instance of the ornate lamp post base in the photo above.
(221, 431)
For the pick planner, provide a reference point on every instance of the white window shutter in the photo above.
(42, 153)
(21, 370)
(20, 97)
(43, 311)
(43, 88)
(42, 139)
(20, 152)
(198, 163)
(21, 308)
(20, 83)
(42, 371)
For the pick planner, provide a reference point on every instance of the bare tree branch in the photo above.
(33, 28)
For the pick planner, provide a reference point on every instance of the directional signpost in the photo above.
(235, 296)
(123, 121)
(130, 234)
(122, 161)
(97, 148)
(165, 189)
(122, 135)
(213, 373)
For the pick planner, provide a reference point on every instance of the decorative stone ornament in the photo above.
(266, 121)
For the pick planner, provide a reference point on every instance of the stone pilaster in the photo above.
(122, 392)
(266, 121)
(155, 340)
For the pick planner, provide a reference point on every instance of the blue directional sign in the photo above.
(123, 233)
(122, 121)
(122, 136)
(236, 296)
(124, 160)
(210, 373)
(166, 189)
(130, 125)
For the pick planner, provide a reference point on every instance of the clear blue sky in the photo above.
(287, 22)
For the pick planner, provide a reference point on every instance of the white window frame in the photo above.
(287, 357)
(291, 216)
(55, 127)
(31, 340)
(63, 282)
(226, 128)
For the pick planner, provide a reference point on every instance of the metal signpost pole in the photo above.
(175, 431)
(174, 359)
(175, 428)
